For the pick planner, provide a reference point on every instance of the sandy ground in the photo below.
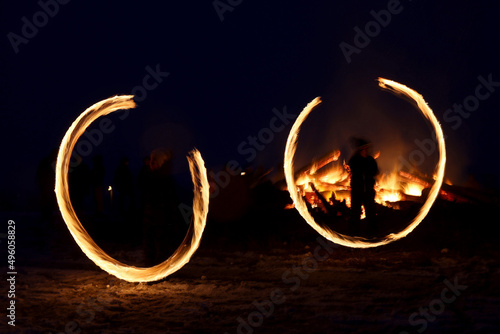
(443, 278)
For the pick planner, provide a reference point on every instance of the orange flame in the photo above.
(129, 273)
(388, 189)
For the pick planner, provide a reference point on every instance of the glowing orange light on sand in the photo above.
(129, 273)
(356, 241)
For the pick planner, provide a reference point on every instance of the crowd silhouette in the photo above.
(143, 208)
(118, 206)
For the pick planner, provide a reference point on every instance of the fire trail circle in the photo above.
(355, 241)
(129, 273)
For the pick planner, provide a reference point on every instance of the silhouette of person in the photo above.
(363, 169)
(142, 181)
(45, 178)
(97, 179)
(124, 188)
(79, 184)
(161, 214)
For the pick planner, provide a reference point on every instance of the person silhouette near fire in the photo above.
(161, 217)
(363, 169)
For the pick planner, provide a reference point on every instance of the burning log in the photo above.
(459, 194)
(309, 172)
(317, 164)
(324, 174)
(333, 178)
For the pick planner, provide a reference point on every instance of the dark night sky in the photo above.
(226, 77)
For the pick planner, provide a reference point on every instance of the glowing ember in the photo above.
(129, 273)
(355, 241)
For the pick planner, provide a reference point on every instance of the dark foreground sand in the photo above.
(443, 278)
